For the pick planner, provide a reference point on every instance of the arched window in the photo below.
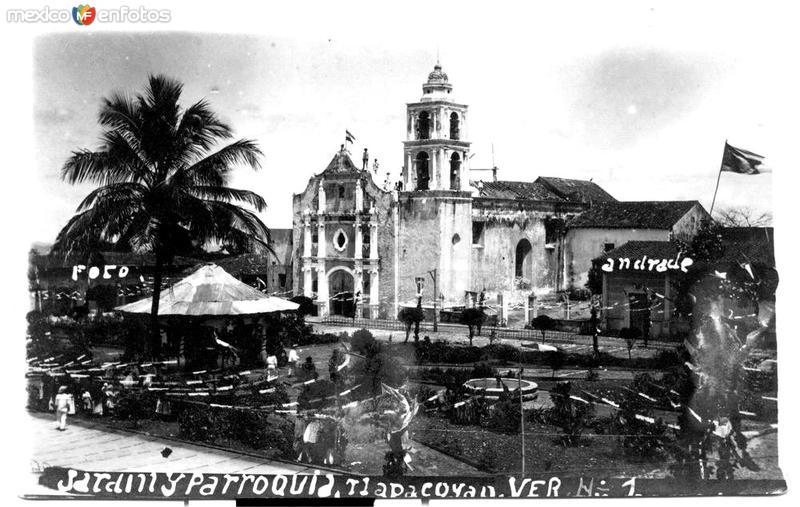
(454, 126)
(522, 265)
(455, 172)
(423, 174)
(424, 125)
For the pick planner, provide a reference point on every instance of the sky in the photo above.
(640, 103)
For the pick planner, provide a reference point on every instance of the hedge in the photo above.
(444, 353)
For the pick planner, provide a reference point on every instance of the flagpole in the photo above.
(719, 174)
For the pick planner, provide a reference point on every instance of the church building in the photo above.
(359, 250)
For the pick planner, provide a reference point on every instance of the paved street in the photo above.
(88, 446)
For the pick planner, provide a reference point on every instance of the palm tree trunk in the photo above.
(155, 332)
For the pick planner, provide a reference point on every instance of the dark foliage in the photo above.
(409, 317)
(543, 323)
(307, 306)
(571, 415)
(473, 318)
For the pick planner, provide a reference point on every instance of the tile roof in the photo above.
(526, 190)
(576, 190)
(256, 263)
(633, 215)
(637, 249)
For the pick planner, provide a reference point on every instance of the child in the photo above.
(62, 406)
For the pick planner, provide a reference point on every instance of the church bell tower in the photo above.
(436, 150)
(434, 234)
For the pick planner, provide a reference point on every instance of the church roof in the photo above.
(341, 163)
(576, 190)
(633, 215)
(526, 190)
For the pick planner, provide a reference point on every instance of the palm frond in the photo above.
(121, 113)
(200, 129)
(114, 194)
(213, 169)
(230, 195)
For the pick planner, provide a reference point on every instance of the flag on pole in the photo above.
(348, 137)
(737, 160)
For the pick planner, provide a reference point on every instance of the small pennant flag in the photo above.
(737, 160)
(348, 137)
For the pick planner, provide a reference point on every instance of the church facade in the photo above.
(360, 250)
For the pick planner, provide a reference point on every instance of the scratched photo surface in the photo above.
(461, 266)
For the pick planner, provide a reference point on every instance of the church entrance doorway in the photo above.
(341, 287)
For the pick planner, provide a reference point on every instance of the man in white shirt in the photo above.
(62, 406)
(293, 358)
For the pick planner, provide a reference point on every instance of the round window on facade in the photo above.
(340, 240)
(456, 239)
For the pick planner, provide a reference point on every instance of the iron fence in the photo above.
(486, 331)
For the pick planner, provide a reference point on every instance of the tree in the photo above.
(543, 323)
(742, 216)
(306, 305)
(473, 318)
(162, 189)
(630, 335)
(555, 360)
(411, 316)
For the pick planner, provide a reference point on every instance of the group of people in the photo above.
(91, 395)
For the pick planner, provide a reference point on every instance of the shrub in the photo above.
(473, 318)
(442, 352)
(483, 370)
(197, 422)
(504, 416)
(260, 430)
(307, 306)
(135, 406)
(543, 323)
(572, 416)
(364, 342)
(555, 360)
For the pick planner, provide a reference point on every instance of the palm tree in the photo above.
(163, 189)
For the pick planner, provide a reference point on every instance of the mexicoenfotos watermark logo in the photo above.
(85, 15)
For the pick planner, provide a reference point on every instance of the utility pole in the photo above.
(435, 297)
(521, 411)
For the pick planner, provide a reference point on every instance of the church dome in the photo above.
(437, 76)
(437, 87)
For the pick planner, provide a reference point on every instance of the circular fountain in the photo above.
(492, 388)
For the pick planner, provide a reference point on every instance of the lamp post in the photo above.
(435, 292)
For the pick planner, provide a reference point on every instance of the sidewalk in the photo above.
(88, 446)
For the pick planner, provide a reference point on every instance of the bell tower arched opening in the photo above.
(455, 127)
(424, 125)
(423, 170)
(455, 172)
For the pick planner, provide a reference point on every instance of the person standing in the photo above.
(62, 406)
(293, 358)
(365, 160)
